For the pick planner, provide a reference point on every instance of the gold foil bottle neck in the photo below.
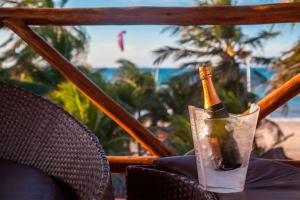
(205, 72)
(210, 95)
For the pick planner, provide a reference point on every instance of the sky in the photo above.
(141, 40)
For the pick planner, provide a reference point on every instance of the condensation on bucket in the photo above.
(243, 127)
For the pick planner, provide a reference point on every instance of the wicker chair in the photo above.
(37, 133)
(162, 185)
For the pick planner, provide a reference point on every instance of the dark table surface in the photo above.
(266, 179)
(262, 195)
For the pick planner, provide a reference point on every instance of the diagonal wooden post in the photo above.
(279, 96)
(87, 87)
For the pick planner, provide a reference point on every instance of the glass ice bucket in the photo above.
(242, 129)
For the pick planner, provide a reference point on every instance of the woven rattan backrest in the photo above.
(35, 132)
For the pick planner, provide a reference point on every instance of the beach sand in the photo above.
(291, 146)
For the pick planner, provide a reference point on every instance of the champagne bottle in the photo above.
(225, 152)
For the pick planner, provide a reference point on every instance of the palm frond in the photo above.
(262, 60)
(174, 30)
(286, 67)
(180, 53)
(10, 38)
(62, 3)
(256, 41)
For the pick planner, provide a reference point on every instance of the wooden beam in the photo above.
(118, 164)
(226, 15)
(279, 96)
(91, 90)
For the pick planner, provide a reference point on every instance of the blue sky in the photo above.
(140, 41)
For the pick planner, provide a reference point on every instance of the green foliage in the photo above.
(178, 94)
(26, 65)
(231, 102)
(112, 139)
(73, 101)
(136, 91)
(286, 67)
(181, 137)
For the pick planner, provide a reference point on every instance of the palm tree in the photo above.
(25, 64)
(178, 93)
(286, 67)
(225, 47)
(136, 91)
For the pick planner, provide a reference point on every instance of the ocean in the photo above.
(258, 88)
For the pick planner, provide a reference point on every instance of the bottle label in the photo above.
(215, 147)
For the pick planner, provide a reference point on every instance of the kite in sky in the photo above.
(121, 40)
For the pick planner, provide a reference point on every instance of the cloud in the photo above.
(274, 48)
(106, 55)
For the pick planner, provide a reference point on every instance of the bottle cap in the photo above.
(205, 72)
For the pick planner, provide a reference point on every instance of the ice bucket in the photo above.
(242, 128)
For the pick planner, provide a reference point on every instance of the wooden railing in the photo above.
(226, 15)
(19, 19)
(119, 163)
